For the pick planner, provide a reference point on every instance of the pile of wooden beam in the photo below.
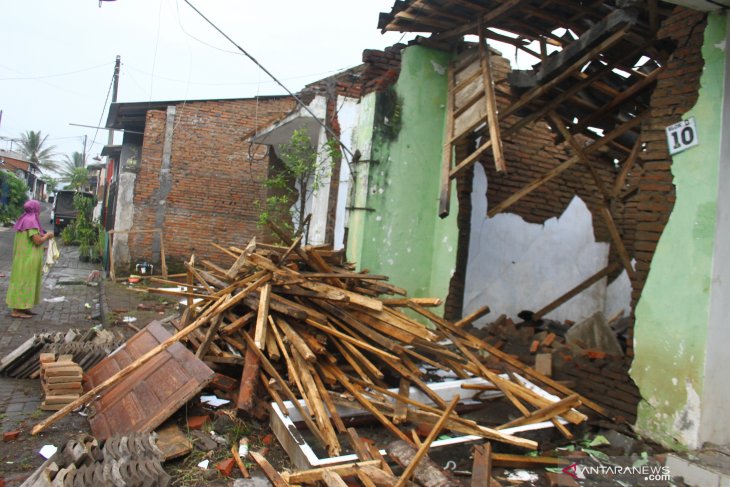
(61, 381)
(305, 325)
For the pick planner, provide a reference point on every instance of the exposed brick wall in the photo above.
(214, 183)
(529, 154)
(676, 92)
(381, 68)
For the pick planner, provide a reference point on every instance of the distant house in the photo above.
(185, 176)
(26, 170)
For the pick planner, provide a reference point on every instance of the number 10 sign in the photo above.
(682, 135)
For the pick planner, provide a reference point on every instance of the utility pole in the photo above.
(115, 90)
(83, 153)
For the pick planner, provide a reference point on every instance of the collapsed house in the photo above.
(588, 120)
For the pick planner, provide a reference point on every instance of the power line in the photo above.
(298, 100)
(103, 109)
(57, 75)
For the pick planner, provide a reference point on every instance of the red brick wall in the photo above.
(675, 93)
(214, 185)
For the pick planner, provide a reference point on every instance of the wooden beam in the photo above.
(491, 103)
(548, 412)
(427, 443)
(626, 167)
(616, 239)
(514, 198)
(481, 472)
(262, 316)
(575, 291)
(285, 389)
(315, 474)
(268, 470)
(559, 125)
(448, 149)
(617, 100)
(471, 318)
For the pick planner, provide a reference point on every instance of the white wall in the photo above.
(348, 114)
(514, 265)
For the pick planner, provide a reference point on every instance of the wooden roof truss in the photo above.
(596, 85)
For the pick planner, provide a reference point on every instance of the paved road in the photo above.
(20, 398)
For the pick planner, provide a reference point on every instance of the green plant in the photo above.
(68, 235)
(83, 230)
(13, 195)
(300, 171)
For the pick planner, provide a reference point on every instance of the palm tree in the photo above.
(73, 171)
(33, 146)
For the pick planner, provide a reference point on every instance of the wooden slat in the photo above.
(530, 187)
(435, 431)
(575, 291)
(262, 316)
(447, 156)
(491, 104)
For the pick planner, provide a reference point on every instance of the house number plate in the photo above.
(682, 135)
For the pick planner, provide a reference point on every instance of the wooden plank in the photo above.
(447, 156)
(548, 412)
(575, 291)
(626, 167)
(296, 340)
(421, 452)
(332, 479)
(356, 393)
(472, 317)
(209, 336)
(285, 389)
(262, 317)
(249, 377)
(315, 474)
(617, 241)
(517, 196)
(233, 271)
(239, 462)
(491, 104)
(401, 408)
(268, 470)
(481, 472)
(320, 414)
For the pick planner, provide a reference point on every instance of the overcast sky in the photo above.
(58, 55)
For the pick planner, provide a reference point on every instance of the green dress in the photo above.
(24, 290)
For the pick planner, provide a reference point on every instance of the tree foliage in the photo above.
(73, 171)
(302, 171)
(13, 195)
(33, 145)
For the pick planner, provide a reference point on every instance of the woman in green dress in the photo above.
(24, 290)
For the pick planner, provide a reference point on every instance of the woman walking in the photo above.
(24, 290)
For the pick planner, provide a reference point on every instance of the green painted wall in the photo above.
(672, 315)
(402, 236)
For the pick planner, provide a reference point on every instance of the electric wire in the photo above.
(103, 109)
(57, 75)
(296, 98)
